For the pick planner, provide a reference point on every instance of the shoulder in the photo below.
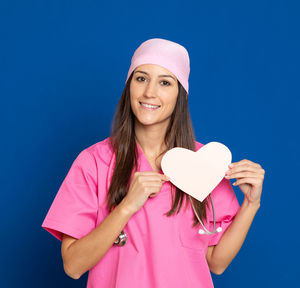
(198, 145)
(100, 151)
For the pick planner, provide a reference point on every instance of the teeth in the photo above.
(149, 106)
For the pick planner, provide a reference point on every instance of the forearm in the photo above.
(234, 237)
(87, 251)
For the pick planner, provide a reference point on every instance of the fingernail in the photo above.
(231, 165)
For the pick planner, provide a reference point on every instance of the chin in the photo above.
(146, 123)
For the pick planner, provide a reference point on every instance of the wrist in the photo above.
(125, 209)
(251, 205)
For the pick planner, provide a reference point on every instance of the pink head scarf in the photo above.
(165, 53)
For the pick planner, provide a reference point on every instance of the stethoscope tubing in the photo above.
(201, 231)
(205, 231)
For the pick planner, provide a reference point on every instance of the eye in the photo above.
(166, 83)
(139, 78)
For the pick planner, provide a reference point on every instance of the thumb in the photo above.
(165, 177)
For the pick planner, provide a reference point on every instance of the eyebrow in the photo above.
(158, 75)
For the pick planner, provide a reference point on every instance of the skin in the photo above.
(148, 86)
(80, 255)
(150, 129)
(155, 85)
(250, 177)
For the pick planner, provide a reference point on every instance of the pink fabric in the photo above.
(170, 55)
(161, 251)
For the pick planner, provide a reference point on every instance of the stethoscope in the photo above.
(201, 231)
(122, 238)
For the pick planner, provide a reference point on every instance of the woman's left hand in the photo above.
(250, 177)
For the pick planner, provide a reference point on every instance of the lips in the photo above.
(149, 104)
(148, 108)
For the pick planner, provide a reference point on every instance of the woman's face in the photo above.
(153, 85)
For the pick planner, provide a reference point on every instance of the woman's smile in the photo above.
(153, 95)
(149, 107)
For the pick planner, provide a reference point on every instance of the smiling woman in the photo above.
(152, 96)
(117, 214)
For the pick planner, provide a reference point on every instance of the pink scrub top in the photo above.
(160, 251)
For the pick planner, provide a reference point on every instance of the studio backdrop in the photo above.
(63, 68)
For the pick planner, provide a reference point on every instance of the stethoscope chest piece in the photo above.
(122, 239)
(201, 231)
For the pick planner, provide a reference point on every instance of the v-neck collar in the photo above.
(146, 161)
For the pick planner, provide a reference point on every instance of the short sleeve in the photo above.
(226, 207)
(75, 206)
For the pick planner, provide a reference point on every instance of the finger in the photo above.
(253, 181)
(152, 184)
(152, 190)
(153, 177)
(244, 167)
(243, 175)
(149, 173)
(245, 161)
(152, 173)
(164, 177)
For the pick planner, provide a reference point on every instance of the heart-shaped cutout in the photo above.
(197, 173)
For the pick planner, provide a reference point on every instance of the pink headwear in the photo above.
(165, 53)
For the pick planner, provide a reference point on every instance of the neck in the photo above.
(151, 138)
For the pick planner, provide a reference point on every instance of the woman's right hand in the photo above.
(143, 185)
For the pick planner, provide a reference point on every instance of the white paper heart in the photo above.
(197, 173)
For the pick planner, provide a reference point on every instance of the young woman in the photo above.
(120, 218)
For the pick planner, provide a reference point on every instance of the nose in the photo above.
(150, 90)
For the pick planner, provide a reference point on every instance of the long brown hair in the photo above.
(122, 140)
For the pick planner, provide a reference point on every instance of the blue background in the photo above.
(63, 68)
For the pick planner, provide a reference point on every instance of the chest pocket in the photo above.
(193, 244)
